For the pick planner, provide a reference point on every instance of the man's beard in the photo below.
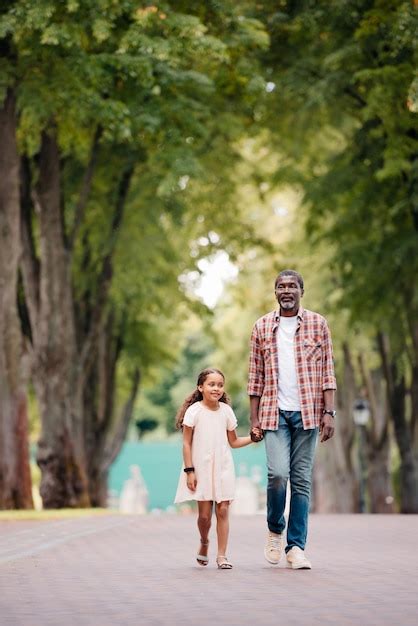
(288, 304)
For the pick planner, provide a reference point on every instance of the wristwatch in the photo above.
(329, 412)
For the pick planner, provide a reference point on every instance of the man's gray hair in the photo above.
(290, 273)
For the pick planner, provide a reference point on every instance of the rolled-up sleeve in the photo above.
(256, 366)
(328, 375)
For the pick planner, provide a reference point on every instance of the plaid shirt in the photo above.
(314, 366)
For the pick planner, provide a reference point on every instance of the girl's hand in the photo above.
(191, 481)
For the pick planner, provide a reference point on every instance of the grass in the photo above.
(52, 514)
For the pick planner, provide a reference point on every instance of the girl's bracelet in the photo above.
(188, 470)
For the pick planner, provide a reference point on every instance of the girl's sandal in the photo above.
(201, 558)
(223, 562)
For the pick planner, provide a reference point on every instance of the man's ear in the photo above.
(302, 291)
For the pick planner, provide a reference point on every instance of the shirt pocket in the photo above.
(267, 354)
(312, 348)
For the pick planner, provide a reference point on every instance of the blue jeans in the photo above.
(290, 454)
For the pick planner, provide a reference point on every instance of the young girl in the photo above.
(208, 475)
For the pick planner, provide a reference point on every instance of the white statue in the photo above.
(134, 496)
(246, 497)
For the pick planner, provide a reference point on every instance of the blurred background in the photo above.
(159, 165)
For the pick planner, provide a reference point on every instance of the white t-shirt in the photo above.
(288, 382)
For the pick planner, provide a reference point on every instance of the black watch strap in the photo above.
(329, 412)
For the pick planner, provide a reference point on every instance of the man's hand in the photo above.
(256, 434)
(191, 481)
(326, 427)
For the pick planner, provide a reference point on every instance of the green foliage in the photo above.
(123, 67)
(168, 87)
(168, 388)
(342, 79)
(166, 91)
(145, 425)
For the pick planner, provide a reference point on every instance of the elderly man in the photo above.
(291, 384)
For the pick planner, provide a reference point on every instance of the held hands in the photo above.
(256, 434)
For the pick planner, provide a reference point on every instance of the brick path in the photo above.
(117, 570)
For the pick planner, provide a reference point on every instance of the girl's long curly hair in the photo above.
(196, 396)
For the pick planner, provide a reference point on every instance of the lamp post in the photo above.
(361, 415)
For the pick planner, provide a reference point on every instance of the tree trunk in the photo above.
(404, 433)
(65, 351)
(335, 489)
(105, 434)
(61, 454)
(110, 445)
(379, 480)
(64, 481)
(335, 481)
(99, 407)
(117, 436)
(379, 483)
(15, 481)
(101, 350)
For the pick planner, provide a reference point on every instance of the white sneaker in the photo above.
(274, 548)
(296, 559)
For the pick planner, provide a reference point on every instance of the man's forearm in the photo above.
(329, 399)
(254, 406)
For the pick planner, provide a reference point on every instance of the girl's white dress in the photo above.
(211, 454)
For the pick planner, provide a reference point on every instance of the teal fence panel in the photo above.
(161, 462)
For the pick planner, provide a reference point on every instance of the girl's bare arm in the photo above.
(187, 456)
(237, 442)
(187, 446)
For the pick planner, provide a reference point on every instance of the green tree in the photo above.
(343, 81)
(119, 107)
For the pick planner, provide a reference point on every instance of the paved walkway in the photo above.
(117, 570)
